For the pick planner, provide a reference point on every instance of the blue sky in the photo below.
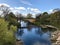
(33, 5)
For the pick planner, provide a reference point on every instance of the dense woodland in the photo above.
(49, 19)
(8, 23)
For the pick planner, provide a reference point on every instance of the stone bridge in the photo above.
(31, 20)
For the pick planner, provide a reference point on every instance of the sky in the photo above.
(31, 6)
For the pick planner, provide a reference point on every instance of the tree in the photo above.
(11, 18)
(56, 10)
(29, 15)
(45, 13)
(55, 18)
(43, 18)
(38, 16)
(4, 9)
(19, 16)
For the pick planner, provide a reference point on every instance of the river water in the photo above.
(33, 35)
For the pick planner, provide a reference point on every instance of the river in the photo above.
(33, 35)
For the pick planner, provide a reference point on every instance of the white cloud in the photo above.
(4, 4)
(14, 9)
(25, 2)
(35, 10)
(11, 8)
(17, 9)
(0, 11)
(34, 15)
(50, 11)
(20, 8)
(28, 8)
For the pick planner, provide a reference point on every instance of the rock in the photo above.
(19, 43)
(56, 38)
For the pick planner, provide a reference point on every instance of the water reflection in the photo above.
(20, 32)
(23, 24)
(33, 35)
(38, 31)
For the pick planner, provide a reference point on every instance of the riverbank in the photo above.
(55, 38)
(55, 35)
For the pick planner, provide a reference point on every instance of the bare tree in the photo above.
(4, 9)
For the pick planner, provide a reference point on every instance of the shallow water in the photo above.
(33, 36)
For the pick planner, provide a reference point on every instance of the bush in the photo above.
(6, 36)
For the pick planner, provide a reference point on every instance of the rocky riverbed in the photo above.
(55, 38)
